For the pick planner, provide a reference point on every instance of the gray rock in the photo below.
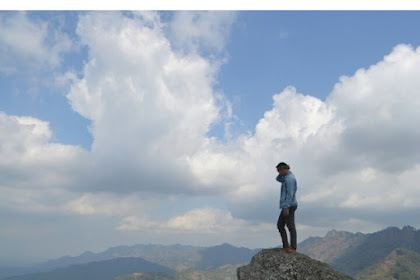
(276, 264)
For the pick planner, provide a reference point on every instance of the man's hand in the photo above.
(286, 212)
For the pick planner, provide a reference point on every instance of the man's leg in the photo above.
(290, 222)
(280, 225)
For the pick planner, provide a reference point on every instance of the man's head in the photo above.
(283, 168)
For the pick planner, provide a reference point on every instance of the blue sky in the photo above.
(291, 50)
(119, 128)
(306, 49)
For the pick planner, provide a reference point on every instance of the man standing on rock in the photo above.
(288, 206)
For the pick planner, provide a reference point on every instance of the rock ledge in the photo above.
(276, 264)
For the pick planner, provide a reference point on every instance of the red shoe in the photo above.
(290, 249)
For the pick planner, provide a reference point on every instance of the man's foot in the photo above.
(290, 249)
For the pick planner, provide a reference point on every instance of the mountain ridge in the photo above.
(379, 245)
(350, 253)
(332, 245)
(402, 264)
(176, 257)
(353, 253)
(98, 270)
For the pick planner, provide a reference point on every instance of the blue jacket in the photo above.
(288, 190)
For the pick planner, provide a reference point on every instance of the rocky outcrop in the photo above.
(276, 264)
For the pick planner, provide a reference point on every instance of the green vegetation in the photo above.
(401, 264)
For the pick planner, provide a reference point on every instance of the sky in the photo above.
(165, 127)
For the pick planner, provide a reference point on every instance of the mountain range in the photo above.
(176, 258)
(367, 256)
(97, 270)
(388, 254)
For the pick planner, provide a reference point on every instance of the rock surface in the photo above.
(276, 264)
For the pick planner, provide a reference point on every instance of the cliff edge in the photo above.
(276, 264)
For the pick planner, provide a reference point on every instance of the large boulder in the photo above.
(277, 264)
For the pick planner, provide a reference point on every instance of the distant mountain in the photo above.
(400, 264)
(375, 247)
(224, 254)
(7, 271)
(102, 270)
(353, 253)
(177, 257)
(332, 246)
(66, 261)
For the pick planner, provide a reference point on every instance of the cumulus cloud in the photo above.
(353, 153)
(107, 204)
(205, 220)
(248, 163)
(28, 44)
(380, 108)
(31, 159)
(34, 171)
(150, 107)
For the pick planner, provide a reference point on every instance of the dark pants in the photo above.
(290, 222)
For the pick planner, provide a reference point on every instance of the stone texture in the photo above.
(276, 264)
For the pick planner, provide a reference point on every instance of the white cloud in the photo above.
(321, 141)
(108, 204)
(150, 107)
(203, 222)
(358, 149)
(355, 152)
(375, 160)
(134, 223)
(35, 172)
(379, 106)
(27, 44)
(198, 30)
(30, 159)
